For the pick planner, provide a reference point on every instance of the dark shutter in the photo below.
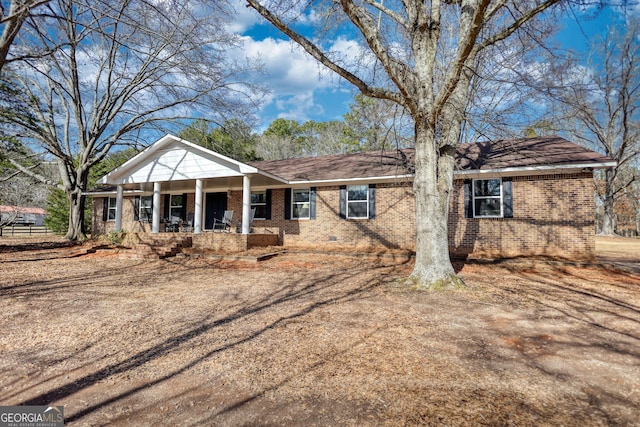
(468, 199)
(372, 201)
(343, 202)
(105, 208)
(183, 213)
(136, 208)
(507, 197)
(312, 203)
(287, 203)
(268, 205)
(167, 206)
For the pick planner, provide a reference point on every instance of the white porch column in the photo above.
(246, 204)
(119, 197)
(155, 219)
(197, 216)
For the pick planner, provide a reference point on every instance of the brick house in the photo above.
(522, 197)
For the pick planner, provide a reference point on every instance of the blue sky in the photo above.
(302, 90)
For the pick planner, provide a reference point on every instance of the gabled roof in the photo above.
(527, 155)
(171, 159)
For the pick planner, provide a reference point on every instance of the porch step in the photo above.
(159, 247)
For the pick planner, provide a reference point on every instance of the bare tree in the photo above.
(599, 104)
(13, 17)
(127, 67)
(421, 55)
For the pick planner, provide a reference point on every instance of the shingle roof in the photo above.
(488, 155)
(526, 152)
(340, 166)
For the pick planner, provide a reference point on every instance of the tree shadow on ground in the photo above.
(315, 294)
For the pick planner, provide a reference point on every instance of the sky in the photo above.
(302, 90)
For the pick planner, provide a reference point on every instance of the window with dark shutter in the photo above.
(105, 208)
(268, 207)
(287, 203)
(312, 203)
(372, 201)
(136, 208)
(468, 200)
(167, 206)
(343, 202)
(507, 197)
(492, 198)
(301, 199)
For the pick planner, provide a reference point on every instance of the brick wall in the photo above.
(393, 226)
(553, 215)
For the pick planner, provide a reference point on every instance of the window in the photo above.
(259, 202)
(146, 209)
(358, 201)
(487, 198)
(176, 208)
(300, 203)
(111, 209)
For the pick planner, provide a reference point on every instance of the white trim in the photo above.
(117, 173)
(198, 214)
(256, 218)
(347, 201)
(155, 220)
(535, 170)
(246, 204)
(112, 208)
(293, 202)
(473, 198)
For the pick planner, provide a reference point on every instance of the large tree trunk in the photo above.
(76, 218)
(608, 217)
(433, 268)
(75, 231)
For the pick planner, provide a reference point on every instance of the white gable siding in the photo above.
(177, 162)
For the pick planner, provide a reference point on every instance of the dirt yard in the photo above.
(309, 340)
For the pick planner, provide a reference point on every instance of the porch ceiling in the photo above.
(210, 184)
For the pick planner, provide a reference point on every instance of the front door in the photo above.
(215, 205)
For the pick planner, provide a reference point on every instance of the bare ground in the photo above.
(304, 340)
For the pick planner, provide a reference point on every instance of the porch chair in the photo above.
(187, 226)
(252, 215)
(223, 224)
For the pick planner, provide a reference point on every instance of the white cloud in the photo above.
(300, 87)
(246, 17)
(294, 78)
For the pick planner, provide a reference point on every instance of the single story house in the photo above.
(20, 215)
(524, 197)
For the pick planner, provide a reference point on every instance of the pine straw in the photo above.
(309, 340)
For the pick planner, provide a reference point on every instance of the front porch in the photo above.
(175, 184)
